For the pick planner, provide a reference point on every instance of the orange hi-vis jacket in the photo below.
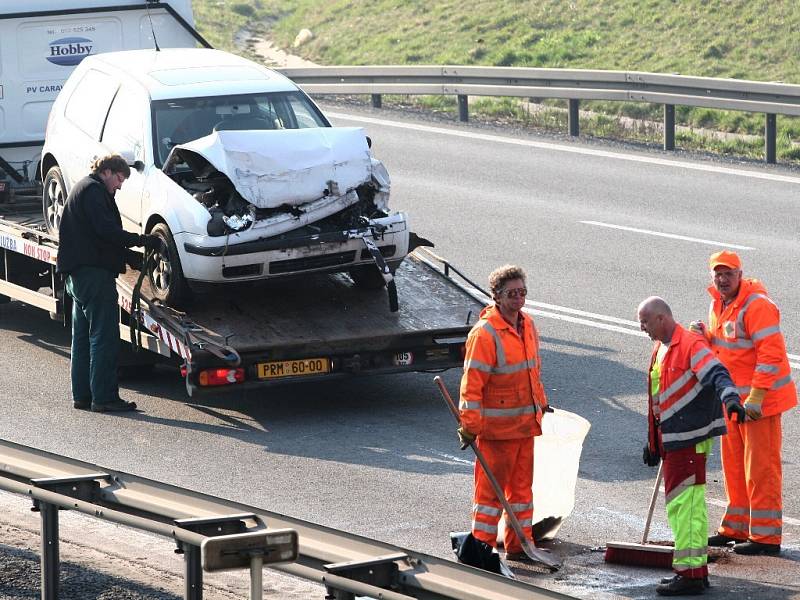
(746, 337)
(692, 389)
(502, 397)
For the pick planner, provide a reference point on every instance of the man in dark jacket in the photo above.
(93, 250)
(687, 389)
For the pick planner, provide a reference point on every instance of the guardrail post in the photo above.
(463, 108)
(669, 127)
(574, 126)
(193, 570)
(376, 101)
(770, 134)
(50, 561)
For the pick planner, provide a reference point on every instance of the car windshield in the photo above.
(185, 119)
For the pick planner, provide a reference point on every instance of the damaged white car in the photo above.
(235, 168)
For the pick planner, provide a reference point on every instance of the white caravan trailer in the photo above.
(41, 42)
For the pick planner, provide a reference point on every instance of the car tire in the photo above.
(54, 198)
(367, 277)
(165, 274)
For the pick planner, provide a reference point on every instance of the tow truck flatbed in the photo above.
(240, 335)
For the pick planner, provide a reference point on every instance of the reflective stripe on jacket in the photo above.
(501, 394)
(688, 407)
(746, 337)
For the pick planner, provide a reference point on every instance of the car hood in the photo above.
(273, 168)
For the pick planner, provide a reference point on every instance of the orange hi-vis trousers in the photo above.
(751, 461)
(511, 462)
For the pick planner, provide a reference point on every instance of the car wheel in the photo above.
(367, 277)
(54, 198)
(165, 273)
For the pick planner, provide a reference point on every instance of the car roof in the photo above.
(190, 72)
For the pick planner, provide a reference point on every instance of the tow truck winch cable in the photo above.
(134, 323)
(193, 338)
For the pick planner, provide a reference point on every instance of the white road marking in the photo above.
(673, 236)
(571, 149)
(723, 504)
(598, 321)
(584, 318)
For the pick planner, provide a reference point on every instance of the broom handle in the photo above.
(528, 545)
(498, 490)
(653, 502)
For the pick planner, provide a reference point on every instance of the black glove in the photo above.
(734, 407)
(154, 243)
(549, 408)
(465, 437)
(651, 459)
(133, 259)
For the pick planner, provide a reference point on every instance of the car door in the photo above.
(124, 133)
(85, 112)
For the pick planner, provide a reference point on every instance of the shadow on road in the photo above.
(397, 422)
(400, 422)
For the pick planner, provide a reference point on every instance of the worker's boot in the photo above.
(681, 586)
(706, 583)
(751, 548)
(719, 540)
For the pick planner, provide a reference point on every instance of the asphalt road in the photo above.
(378, 456)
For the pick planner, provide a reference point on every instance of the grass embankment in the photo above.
(742, 39)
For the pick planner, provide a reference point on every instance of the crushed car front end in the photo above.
(281, 203)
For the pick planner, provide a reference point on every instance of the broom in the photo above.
(644, 554)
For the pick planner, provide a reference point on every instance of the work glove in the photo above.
(548, 409)
(698, 327)
(133, 260)
(154, 243)
(752, 404)
(650, 458)
(465, 437)
(734, 407)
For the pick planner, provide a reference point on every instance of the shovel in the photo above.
(537, 555)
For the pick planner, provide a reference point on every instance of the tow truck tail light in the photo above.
(213, 377)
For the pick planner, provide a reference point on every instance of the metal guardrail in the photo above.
(215, 534)
(573, 85)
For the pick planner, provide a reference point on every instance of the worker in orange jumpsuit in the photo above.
(501, 406)
(744, 331)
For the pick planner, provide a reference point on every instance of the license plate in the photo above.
(293, 368)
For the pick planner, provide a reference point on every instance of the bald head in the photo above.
(655, 319)
(655, 305)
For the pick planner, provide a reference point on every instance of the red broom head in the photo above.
(641, 555)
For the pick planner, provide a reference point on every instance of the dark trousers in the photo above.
(95, 335)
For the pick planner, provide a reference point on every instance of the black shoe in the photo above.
(116, 406)
(706, 583)
(681, 586)
(82, 404)
(752, 548)
(720, 541)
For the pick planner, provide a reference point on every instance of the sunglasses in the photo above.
(522, 292)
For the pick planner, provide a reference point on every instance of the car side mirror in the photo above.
(130, 158)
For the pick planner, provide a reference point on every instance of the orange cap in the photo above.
(725, 258)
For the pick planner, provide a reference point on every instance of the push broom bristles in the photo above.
(641, 555)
